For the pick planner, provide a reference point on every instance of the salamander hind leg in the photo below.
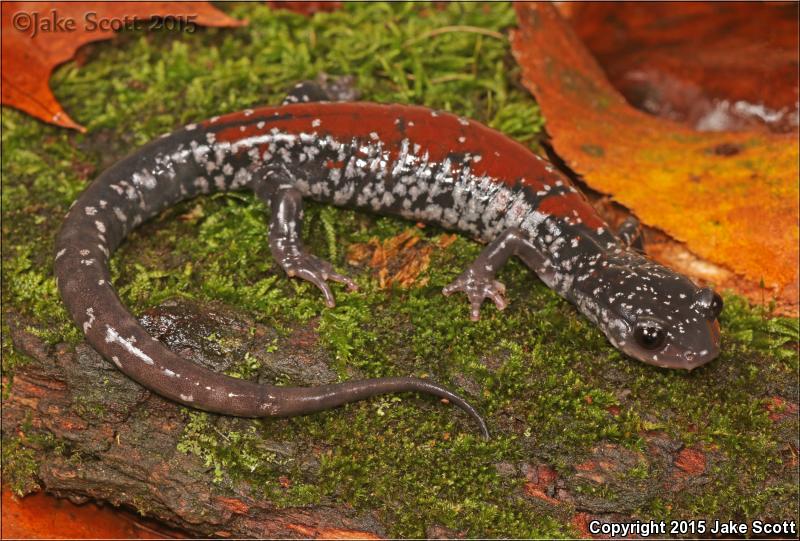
(478, 280)
(288, 250)
(325, 88)
(630, 232)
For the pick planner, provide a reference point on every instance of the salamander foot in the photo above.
(315, 270)
(630, 232)
(287, 248)
(478, 280)
(478, 286)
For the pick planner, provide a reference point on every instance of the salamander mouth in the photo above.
(699, 354)
(708, 354)
(705, 349)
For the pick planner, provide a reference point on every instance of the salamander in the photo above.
(402, 160)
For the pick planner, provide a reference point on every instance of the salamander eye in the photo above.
(716, 307)
(709, 303)
(649, 335)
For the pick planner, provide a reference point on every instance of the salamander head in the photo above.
(657, 316)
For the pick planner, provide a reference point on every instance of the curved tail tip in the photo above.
(471, 411)
(478, 419)
(484, 429)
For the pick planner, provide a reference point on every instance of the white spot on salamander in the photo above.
(100, 226)
(187, 398)
(90, 211)
(112, 336)
(115, 359)
(202, 184)
(144, 178)
(61, 252)
(316, 122)
(169, 373)
(88, 323)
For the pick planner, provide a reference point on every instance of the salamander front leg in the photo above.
(478, 282)
(288, 250)
(630, 232)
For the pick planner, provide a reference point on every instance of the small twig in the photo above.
(452, 77)
(226, 438)
(456, 28)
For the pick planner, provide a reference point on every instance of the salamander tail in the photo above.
(303, 400)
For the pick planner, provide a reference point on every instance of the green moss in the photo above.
(222, 450)
(445, 477)
(11, 359)
(546, 379)
(245, 369)
(20, 468)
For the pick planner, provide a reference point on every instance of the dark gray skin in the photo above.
(646, 310)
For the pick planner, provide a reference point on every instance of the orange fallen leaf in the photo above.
(731, 197)
(41, 516)
(701, 63)
(38, 36)
(398, 260)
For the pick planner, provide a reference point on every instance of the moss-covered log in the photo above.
(579, 431)
(96, 434)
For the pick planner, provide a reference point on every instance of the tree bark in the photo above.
(98, 435)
